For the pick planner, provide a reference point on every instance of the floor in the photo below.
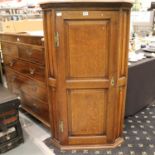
(34, 135)
(139, 136)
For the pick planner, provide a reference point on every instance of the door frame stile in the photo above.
(61, 78)
(112, 89)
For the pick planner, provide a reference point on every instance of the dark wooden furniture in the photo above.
(24, 63)
(141, 85)
(1, 78)
(86, 57)
(11, 134)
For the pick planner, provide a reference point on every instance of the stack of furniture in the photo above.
(24, 63)
(10, 129)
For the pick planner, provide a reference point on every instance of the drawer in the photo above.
(10, 49)
(7, 135)
(40, 109)
(29, 69)
(10, 38)
(34, 40)
(21, 85)
(32, 54)
(9, 61)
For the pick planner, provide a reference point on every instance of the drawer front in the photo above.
(10, 49)
(29, 69)
(31, 40)
(8, 135)
(21, 85)
(38, 108)
(32, 54)
(10, 38)
(9, 61)
(38, 40)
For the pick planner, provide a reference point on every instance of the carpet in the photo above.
(138, 133)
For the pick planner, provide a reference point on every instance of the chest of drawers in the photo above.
(24, 63)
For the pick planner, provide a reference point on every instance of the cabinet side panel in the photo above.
(48, 42)
(122, 69)
(120, 117)
(51, 70)
(124, 41)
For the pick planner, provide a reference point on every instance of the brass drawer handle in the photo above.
(29, 52)
(32, 71)
(18, 39)
(11, 63)
(42, 39)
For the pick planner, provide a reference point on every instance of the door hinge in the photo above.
(56, 39)
(61, 126)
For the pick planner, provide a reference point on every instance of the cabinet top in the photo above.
(27, 33)
(85, 3)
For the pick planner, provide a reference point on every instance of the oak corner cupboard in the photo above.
(86, 45)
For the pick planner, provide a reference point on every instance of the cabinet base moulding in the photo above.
(117, 142)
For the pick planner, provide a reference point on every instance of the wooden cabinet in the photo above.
(86, 56)
(24, 61)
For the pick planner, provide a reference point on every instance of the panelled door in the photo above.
(86, 48)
